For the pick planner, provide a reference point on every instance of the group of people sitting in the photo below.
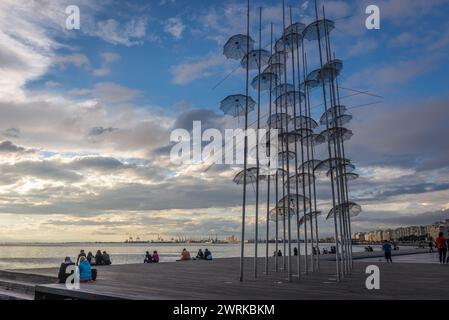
(206, 255)
(100, 259)
(84, 264)
(154, 258)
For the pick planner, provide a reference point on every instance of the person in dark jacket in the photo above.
(106, 259)
(207, 254)
(62, 275)
(200, 254)
(148, 258)
(90, 258)
(99, 258)
(82, 254)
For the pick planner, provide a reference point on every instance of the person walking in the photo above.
(386, 247)
(442, 247)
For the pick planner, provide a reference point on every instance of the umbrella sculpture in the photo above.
(282, 75)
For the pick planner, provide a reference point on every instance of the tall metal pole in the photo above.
(308, 113)
(245, 165)
(329, 152)
(288, 160)
(296, 150)
(269, 165)
(256, 240)
(337, 140)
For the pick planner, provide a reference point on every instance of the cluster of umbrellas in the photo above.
(282, 74)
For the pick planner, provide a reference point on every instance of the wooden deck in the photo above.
(218, 279)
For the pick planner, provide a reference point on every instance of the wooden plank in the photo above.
(218, 279)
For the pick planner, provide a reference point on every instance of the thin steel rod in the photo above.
(245, 165)
(337, 256)
(269, 165)
(256, 232)
(296, 154)
(287, 149)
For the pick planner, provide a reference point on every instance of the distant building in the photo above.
(423, 232)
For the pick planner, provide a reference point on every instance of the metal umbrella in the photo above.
(276, 120)
(278, 213)
(305, 122)
(276, 68)
(278, 57)
(320, 27)
(313, 140)
(251, 176)
(266, 81)
(292, 199)
(297, 28)
(337, 134)
(236, 47)
(353, 208)
(289, 99)
(235, 105)
(255, 58)
(308, 216)
(281, 88)
(331, 163)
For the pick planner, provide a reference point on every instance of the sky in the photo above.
(86, 115)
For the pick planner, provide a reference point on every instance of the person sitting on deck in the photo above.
(62, 275)
(99, 258)
(386, 247)
(185, 255)
(148, 258)
(442, 247)
(81, 254)
(90, 258)
(295, 251)
(200, 254)
(155, 257)
(106, 259)
(85, 270)
(207, 254)
(279, 253)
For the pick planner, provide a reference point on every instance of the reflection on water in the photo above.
(51, 255)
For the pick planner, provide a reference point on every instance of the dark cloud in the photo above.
(98, 131)
(208, 118)
(97, 163)
(11, 133)
(9, 147)
(410, 134)
(396, 219)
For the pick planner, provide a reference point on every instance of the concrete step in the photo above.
(27, 277)
(17, 286)
(11, 295)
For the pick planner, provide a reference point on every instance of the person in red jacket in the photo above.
(442, 247)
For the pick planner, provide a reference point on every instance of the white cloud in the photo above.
(187, 72)
(175, 27)
(129, 34)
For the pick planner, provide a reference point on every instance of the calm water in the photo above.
(19, 256)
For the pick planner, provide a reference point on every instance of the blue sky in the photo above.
(86, 114)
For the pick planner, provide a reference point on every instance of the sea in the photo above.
(43, 255)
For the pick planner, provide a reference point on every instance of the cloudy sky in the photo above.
(86, 115)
